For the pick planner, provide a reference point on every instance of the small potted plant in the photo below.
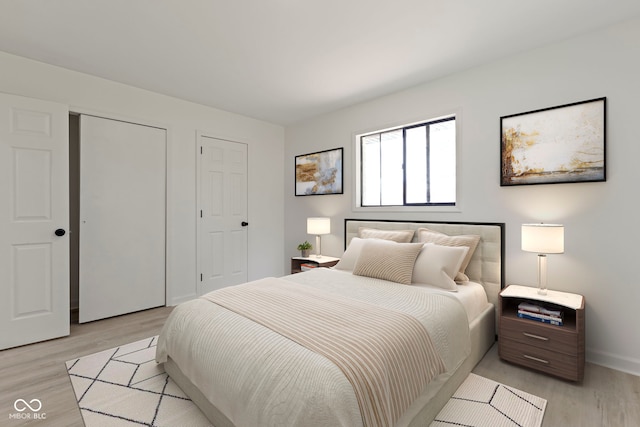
(305, 248)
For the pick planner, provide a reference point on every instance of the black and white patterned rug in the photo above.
(481, 402)
(124, 386)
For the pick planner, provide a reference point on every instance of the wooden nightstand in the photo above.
(555, 350)
(322, 261)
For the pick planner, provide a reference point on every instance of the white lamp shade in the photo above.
(543, 238)
(318, 226)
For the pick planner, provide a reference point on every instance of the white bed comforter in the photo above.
(256, 377)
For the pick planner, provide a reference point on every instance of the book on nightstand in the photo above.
(307, 267)
(540, 314)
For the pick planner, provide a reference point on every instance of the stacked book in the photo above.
(307, 267)
(541, 314)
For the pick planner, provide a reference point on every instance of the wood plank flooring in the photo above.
(38, 371)
(605, 398)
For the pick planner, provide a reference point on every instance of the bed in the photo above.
(246, 361)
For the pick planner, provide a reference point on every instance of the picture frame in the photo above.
(319, 173)
(563, 144)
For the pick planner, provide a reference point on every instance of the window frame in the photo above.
(406, 207)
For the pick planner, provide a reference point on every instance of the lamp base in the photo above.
(542, 274)
(318, 248)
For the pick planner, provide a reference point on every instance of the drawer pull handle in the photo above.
(526, 356)
(538, 337)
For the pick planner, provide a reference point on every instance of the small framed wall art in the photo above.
(555, 145)
(319, 173)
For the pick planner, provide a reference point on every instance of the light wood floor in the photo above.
(38, 371)
(604, 398)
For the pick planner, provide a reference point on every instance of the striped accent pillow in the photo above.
(387, 260)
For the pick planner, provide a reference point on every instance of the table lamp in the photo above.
(543, 239)
(318, 226)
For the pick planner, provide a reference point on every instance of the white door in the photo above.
(34, 194)
(122, 217)
(222, 211)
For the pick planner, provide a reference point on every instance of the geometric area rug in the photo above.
(481, 402)
(124, 386)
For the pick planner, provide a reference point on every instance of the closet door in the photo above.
(122, 217)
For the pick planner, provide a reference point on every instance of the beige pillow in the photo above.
(387, 260)
(471, 241)
(400, 236)
(438, 265)
(350, 256)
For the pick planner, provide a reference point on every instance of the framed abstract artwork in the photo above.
(319, 173)
(554, 145)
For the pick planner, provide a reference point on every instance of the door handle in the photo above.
(244, 223)
(60, 232)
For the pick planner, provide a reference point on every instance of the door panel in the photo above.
(32, 280)
(238, 249)
(32, 190)
(34, 186)
(122, 217)
(222, 197)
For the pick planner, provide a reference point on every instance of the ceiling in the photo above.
(284, 61)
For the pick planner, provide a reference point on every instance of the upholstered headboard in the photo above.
(486, 266)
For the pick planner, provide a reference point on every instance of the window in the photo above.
(409, 166)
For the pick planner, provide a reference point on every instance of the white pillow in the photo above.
(348, 260)
(426, 235)
(438, 265)
(387, 260)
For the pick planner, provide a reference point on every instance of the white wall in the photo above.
(183, 119)
(601, 254)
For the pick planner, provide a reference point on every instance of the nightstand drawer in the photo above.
(549, 361)
(541, 335)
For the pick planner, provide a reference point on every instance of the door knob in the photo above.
(244, 223)
(60, 232)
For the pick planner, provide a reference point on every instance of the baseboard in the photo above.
(614, 361)
(178, 300)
